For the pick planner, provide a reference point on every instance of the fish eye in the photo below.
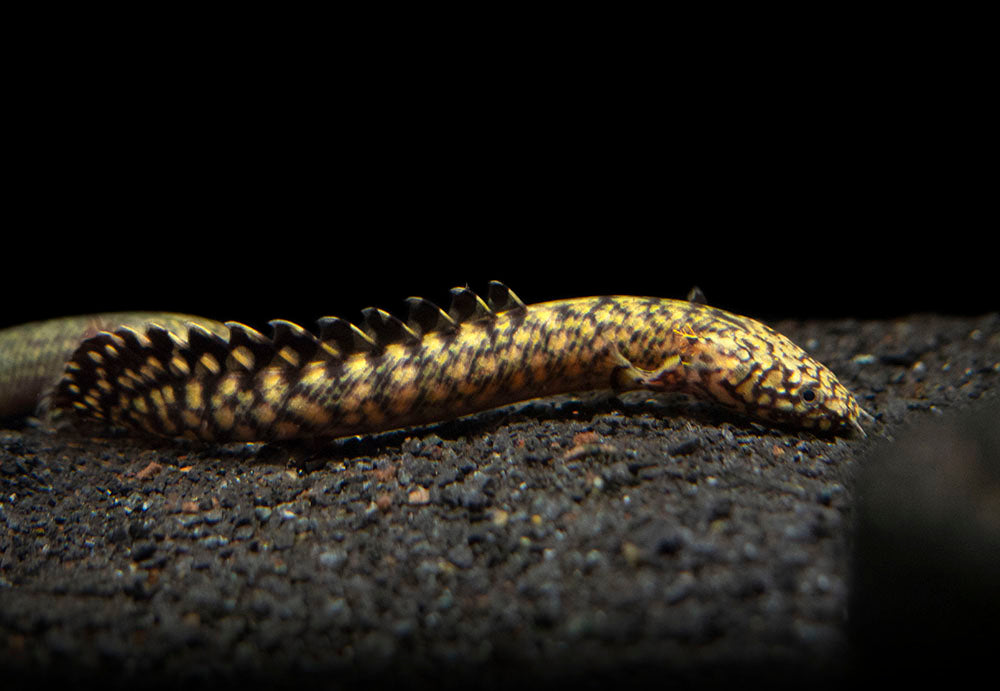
(809, 395)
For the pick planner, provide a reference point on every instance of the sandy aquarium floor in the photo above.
(589, 538)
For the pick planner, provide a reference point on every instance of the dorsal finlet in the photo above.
(696, 296)
(134, 336)
(502, 299)
(202, 340)
(293, 344)
(249, 349)
(136, 347)
(466, 306)
(209, 352)
(241, 334)
(165, 339)
(425, 317)
(384, 328)
(161, 338)
(344, 337)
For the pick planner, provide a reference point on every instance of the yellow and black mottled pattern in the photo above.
(33, 356)
(207, 385)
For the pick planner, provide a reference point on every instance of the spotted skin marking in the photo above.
(33, 357)
(189, 377)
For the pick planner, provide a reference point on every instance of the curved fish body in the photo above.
(230, 383)
(33, 356)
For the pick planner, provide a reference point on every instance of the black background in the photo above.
(240, 187)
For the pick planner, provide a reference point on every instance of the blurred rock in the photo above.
(926, 571)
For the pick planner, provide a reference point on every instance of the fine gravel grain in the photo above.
(589, 539)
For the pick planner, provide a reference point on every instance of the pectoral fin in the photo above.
(626, 376)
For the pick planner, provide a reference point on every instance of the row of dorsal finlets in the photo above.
(247, 349)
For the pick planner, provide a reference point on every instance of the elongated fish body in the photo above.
(230, 383)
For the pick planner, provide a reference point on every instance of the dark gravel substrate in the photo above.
(585, 538)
